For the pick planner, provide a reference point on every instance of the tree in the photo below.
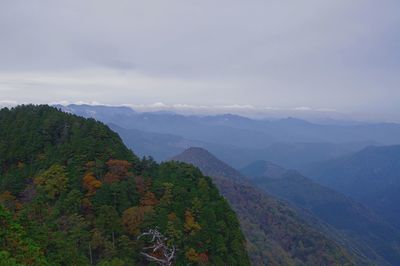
(192, 255)
(141, 185)
(91, 184)
(53, 181)
(149, 199)
(133, 217)
(7, 260)
(191, 226)
(158, 251)
(117, 170)
(108, 221)
(9, 201)
(168, 195)
(174, 231)
(15, 246)
(80, 213)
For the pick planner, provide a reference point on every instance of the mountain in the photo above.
(372, 176)
(291, 155)
(71, 193)
(208, 163)
(190, 127)
(295, 155)
(276, 234)
(159, 146)
(362, 228)
(263, 168)
(240, 131)
(238, 140)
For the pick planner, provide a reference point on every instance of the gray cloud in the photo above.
(338, 54)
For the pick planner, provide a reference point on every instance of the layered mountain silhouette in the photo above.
(239, 140)
(372, 176)
(338, 216)
(276, 233)
(240, 131)
(361, 226)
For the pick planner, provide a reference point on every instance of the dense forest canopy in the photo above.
(72, 194)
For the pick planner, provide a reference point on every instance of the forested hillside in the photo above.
(275, 233)
(358, 225)
(72, 194)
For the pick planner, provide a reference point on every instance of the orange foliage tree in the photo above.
(91, 184)
(199, 258)
(149, 199)
(142, 185)
(117, 170)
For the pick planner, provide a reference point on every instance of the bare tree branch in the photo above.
(160, 253)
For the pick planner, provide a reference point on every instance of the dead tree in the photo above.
(159, 251)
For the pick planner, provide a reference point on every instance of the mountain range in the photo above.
(372, 176)
(290, 142)
(345, 220)
(359, 225)
(276, 234)
(263, 132)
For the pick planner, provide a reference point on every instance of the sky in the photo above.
(333, 56)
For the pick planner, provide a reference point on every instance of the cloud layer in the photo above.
(340, 54)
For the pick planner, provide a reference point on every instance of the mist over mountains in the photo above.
(276, 232)
(337, 216)
(239, 140)
(263, 131)
(221, 133)
(372, 176)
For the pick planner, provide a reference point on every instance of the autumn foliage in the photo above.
(117, 170)
(91, 184)
(133, 217)
(79, 207)
(193, 256)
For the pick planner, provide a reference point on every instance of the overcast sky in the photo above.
(320, 55)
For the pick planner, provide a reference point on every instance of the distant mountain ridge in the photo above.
(262, 168)
(371, 176)
(368, 231)
(348, 222)
(159, 146)
(240, 129)
(208, 163)
(235, 139)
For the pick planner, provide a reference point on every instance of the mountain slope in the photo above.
(159, 146)
(372, 176)
(295, 155)
(263, 168)
(208, 163)
(364, 229)
(275, 233)
(84, 199)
